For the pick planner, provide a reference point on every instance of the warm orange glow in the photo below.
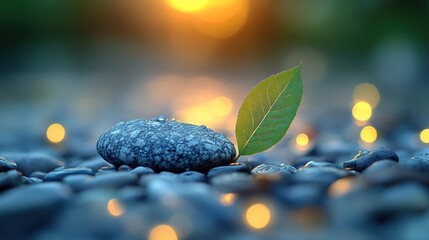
(221, 106)
(115, 208)
(55, 133)
(162, 232)
(340, 187)
(213, 113)
(227, 199)
(368, 134)
(222, 18)
(258, 216)
(187, 5)
(362, 111)
(424, 136)
(302, 139)
(366, 92)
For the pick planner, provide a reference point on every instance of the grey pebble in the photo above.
(113, 180)
(234, 182)
(379, 166)
(6, 165)
(365, 158)
(165, 145)
(320, 164)
(271, 169)
(78, 182)
(139, 171)
(27, 163)
(419, 162)
(38, 174)
(31, 207)
(321, 175)
(31, 180)
(192, 176)
(59, 174)
(233, 167)
(95, 163)
(124, 168)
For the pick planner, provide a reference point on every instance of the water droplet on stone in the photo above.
(203, 126)
(160, 119)
(173, 119)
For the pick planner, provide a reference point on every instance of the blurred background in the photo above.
(87, 64)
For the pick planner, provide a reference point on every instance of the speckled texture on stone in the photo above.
(165, 145)
(365, 158)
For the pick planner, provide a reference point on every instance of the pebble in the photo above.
(78, 182)
(31, 180)
(10, 179)
(322, 175)
(38, 174)
(113, 180)
(30, 207)
(379, 166)
(273, 170)
(27, 163)
(6, 165)
(419, 162)
(95, 163)
(139, 171)
(233, 167)
(59, 174)
(165, 145)
(365, 158)
(125, 168)
(320, 164)
(192, 176)
(234, 182)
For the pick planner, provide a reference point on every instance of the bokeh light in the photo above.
(163, 232)
(424, 136)
(366, 92)
(368, 134)
(115, 208)
(302, 139)
(227, 199)
(55, 133)
(258, 216)
(187, 5)
(340, 187)
(221, 106)
(362, 111)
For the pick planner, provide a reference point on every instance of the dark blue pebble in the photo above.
(95, 163)
(77, 182)
(25, 210)
(233, 167)
(419, 162)
(31, 180)
(139, 171)
(6, 165)
(124, 168)
(379, 166)
(322, 175)
(365, 158)
(59, 174)
(192, 176)
(320, 164)
(38, 174)
(10, 179)
(113, 180)
(27, 163)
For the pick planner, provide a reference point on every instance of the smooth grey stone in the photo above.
(139, 171)
(165, 145)
(78, 182)
(59, 174)
(10, 179)
(38, 174)
(320, 164)
(192, 176)
(31, 180)
(379, 166)
(365, 158)
(322, 175)
(271, 169)
(234, 182)
(124, 168)
(233, 167)
(30, 208)
(6, 165)
(113, 180)
(419, 162)
(27, 163)
(95, 163)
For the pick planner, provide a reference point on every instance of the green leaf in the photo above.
(267, 112)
